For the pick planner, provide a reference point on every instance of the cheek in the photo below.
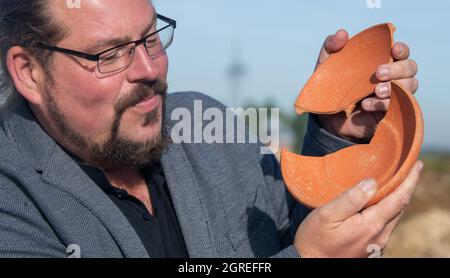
(87, 103)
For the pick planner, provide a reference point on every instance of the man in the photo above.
(87, 169)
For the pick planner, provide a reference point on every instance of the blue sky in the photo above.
(279, 41)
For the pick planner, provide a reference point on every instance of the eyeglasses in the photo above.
(120, 57)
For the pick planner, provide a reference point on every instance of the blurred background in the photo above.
(259, 53)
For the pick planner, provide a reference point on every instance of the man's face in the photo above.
(116, 118)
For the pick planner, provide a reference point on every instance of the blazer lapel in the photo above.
(63, 172)
(187, 202)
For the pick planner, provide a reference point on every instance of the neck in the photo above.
(124, 177)
(133, 182)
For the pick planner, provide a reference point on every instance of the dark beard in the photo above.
(118, 152)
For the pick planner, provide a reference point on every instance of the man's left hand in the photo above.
(361, 124)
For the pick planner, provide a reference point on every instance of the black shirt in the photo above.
(160, 233)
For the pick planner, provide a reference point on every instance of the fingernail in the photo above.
(384, 91)
(368, 186)
(400, 50)
(383, 72)
(368, 103)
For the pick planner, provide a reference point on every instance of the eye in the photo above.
(152, 41)
(110, 56)
(116, 53)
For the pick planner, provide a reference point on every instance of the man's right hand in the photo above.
(342, 229)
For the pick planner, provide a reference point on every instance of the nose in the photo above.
(142, 68)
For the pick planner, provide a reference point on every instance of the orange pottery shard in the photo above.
(342, 81)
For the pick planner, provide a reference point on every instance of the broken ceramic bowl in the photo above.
(342, 81)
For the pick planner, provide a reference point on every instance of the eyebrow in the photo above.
(120, 40)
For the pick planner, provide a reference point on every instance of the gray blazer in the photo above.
(229, 199)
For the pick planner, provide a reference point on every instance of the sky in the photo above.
(278, 42)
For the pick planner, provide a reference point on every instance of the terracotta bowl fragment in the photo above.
(342, 81)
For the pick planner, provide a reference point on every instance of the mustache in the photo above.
(140, 93)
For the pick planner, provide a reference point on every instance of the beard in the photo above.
(116, 151)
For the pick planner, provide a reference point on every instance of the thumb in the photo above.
(333, 44)
(350, 202)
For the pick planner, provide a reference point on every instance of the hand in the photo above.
(341, 229)
(361, 124)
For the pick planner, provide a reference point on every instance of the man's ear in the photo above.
(25, 73)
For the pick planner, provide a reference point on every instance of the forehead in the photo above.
(102, 19)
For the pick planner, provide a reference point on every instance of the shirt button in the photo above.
(119, 193)
(147, 216)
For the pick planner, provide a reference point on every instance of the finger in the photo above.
(398, 70)
(336, 42)
(333, 44)
(394, 203)
(412, 84)
(349, 203)
(401, 51)
(374, 104)
(383, 90)
(383, 239)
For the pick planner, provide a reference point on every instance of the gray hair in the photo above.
(24, 23)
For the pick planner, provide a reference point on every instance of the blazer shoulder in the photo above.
(10, 155)
(187, 100)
